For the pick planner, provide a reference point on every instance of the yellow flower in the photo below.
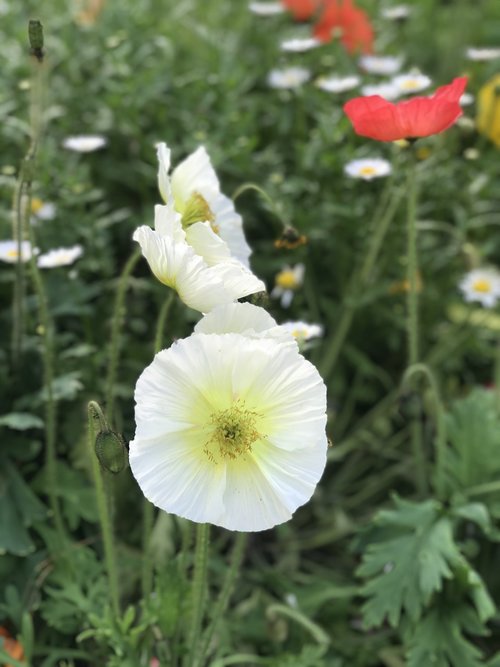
(488, 111)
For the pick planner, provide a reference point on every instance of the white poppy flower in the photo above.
(380, 64)
(266, 8)
(302, 331)
(483, 54)
(287, 282)
(175, 263)
(299, 44)
(396, 13)
(386, 90)
(9, 251)
(246, 319)
(290, 77)
(411, 83)
(60, 257)
(368, 168)
(337, 84)
(85, 143)
(212, 225)
(230, 430)
(482, 285)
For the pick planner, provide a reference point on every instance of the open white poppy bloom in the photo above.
(207, 216)
(230, 430)
(176, 263)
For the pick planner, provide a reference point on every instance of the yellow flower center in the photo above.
(12, 253)
(234, 432)
(367, 171)
(482, 285)
(36, 204)
(286, 279)
(410, 84)
(197, 209)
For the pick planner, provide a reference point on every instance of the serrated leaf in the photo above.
(439, 639)
(405, 569)
(473, 426)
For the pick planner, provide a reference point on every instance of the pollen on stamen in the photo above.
(234, 433)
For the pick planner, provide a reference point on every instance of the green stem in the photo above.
(224, 596)
(148, 508)
(481, 489)
(497, 374)
(439, 412)
(19, 285)
(412, 266)
(245, 187)
(95, 415)
(116, 328)
(358, 281)
(412, 323)
(199, 590)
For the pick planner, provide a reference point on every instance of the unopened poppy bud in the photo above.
(35, 35)
(111, 451)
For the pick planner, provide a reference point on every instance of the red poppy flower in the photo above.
(301, 9)
(379, 119)
(356, 32)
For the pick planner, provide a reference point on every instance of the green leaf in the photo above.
(439, 638)
(410, 564)
(21, 421)
(473, 426)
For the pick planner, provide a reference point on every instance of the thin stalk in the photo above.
(148, 508)
(497, 374)
(20, 282)
(224, 596)
(245, 187)
(199, 590)
(439, 412)
(412, 323)
(358, 281)
(47, 327)
(116, 328)
(94, 413)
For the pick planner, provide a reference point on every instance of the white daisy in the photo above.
(299, 44)
(9, 251)
(396, 13)
(60, 257)
(43, 210)
(85, 143)
(230, 430)
(482, 54)
(386, 90)
(482, 285)
(291, 77)
(211, 224)
(302, 331)
(411, 83)
(380, 64)
(176, 263)
(368, 168)
(337, 84)
(466, 99)
(266, 8)
(287, 282)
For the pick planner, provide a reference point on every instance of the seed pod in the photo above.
(35, 35)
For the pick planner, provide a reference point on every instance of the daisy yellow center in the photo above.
(287, 280)
(197, 209)
(234, 432)
(367, 171)
(12, 253)
(36, 204)
(482, 285)
(410, 84)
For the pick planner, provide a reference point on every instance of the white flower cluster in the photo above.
(230, 422)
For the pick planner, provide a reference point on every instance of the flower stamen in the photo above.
(234, 433)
